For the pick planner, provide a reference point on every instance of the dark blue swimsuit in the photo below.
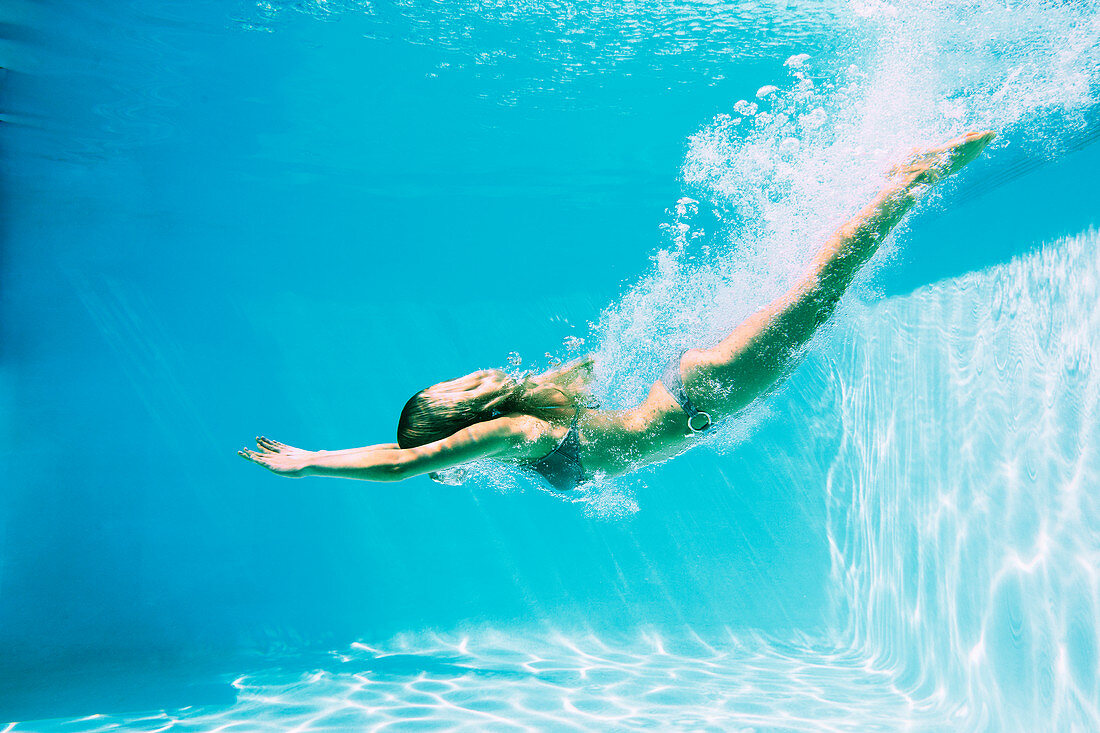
(697, 421)
(562, 467)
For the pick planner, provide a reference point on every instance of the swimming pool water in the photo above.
(222, 220)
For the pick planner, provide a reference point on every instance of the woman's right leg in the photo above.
(762, 349)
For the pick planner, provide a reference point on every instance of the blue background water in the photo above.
(223, 220)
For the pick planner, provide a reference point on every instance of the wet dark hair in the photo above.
(412, 428)
(445, 408)
(429, 417)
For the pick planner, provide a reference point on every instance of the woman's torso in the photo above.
(607, 442)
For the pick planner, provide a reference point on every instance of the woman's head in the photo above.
(445, 408)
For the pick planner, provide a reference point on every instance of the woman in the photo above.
(549, 425)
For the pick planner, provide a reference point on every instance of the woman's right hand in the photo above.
(280, 458)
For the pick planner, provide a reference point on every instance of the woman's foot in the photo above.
(932, 164)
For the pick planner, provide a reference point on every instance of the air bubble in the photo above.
(745, 107)
(572, 344)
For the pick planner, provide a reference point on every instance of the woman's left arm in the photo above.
(502, 437)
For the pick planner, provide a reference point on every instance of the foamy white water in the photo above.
(784, 167)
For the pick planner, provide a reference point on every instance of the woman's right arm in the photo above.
(504, 437)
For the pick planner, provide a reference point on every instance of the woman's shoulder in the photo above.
(531, 434)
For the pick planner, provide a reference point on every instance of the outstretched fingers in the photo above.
(260, 458)
(285, 464)
(254, 456)
(270, 445)
(271, 454)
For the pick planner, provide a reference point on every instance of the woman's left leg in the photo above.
(763, 348)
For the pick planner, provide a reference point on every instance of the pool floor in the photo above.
(501, 682)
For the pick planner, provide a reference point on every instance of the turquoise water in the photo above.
(284, 218)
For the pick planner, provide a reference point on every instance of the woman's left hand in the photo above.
(280, 458)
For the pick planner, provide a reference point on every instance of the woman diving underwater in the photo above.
(547, 423)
